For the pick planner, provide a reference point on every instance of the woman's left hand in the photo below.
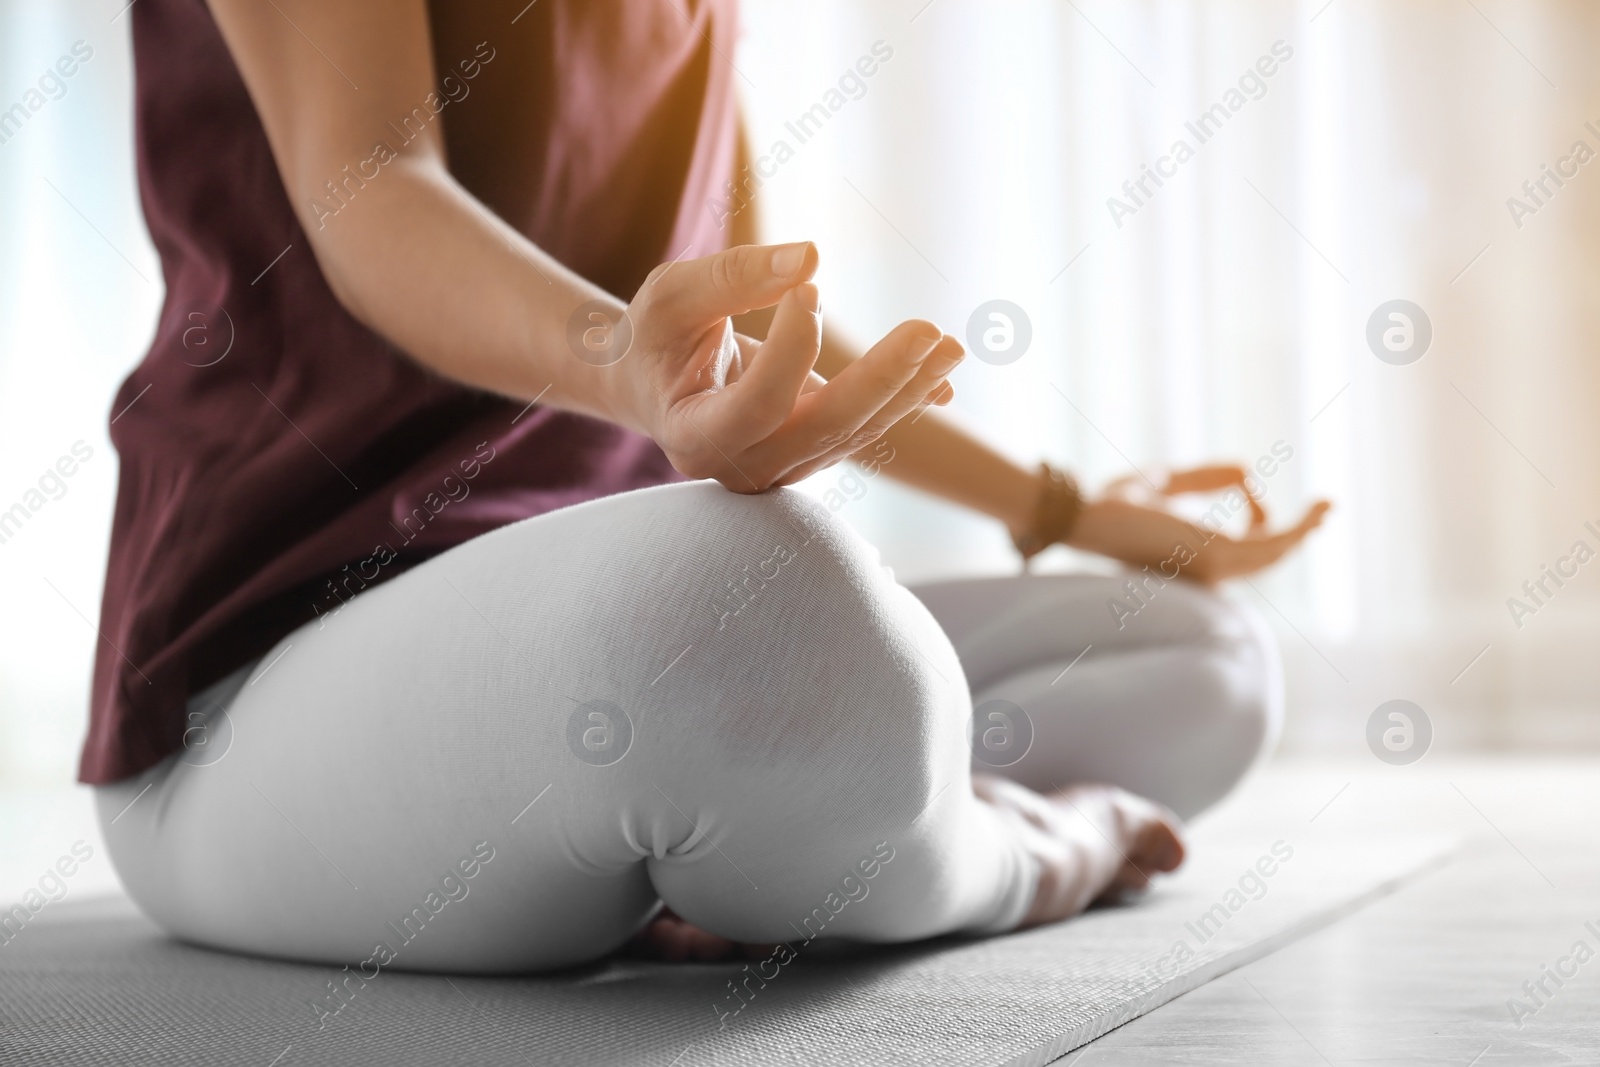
(1142, 535)
(1214, 478)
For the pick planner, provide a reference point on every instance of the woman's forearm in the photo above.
(503, 326)
(408, 251)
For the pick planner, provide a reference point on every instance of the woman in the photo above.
(420, 650)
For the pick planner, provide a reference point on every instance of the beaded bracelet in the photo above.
(1057, 512)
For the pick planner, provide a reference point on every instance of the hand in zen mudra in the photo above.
(753, 414)
(1131, 524)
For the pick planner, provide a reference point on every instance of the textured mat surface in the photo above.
(95, 983)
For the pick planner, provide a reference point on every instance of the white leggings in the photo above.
(504, 759)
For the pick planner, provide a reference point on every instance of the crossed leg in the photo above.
(508, 757)
(677, 694)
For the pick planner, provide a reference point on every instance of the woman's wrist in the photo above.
(580, 371)
(1020, 500)
(616, 393)
(1057, 506)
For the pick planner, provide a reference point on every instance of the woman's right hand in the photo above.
(752, 414)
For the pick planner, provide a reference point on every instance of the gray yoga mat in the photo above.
(94, 982)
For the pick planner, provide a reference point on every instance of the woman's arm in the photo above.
(935, 454)
(418, 259)
(412, 246)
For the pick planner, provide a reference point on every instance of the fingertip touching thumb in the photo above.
(793, 262)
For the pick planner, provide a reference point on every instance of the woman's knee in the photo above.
(804, 656)
(1257, 689)
(817, 711)
(1235, 687)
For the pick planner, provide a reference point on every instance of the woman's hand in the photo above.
(1210, 479)
(753, 414)
(1174, 547)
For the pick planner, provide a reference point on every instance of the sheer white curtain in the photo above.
(1228, 311)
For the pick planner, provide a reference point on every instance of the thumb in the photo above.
(698, 292)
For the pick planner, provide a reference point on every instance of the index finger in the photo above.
(1214, 477)
(1281, 543)
(831, 415)
(764, 395)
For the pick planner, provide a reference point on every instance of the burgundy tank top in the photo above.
(276, 455)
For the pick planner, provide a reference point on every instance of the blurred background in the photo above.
(1220, 315)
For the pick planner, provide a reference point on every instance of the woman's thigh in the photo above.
(1172, 693)
(503, 758)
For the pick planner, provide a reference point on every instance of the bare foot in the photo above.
(1090, 840)
(673, 940)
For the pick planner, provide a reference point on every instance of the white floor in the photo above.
(1425, 976)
